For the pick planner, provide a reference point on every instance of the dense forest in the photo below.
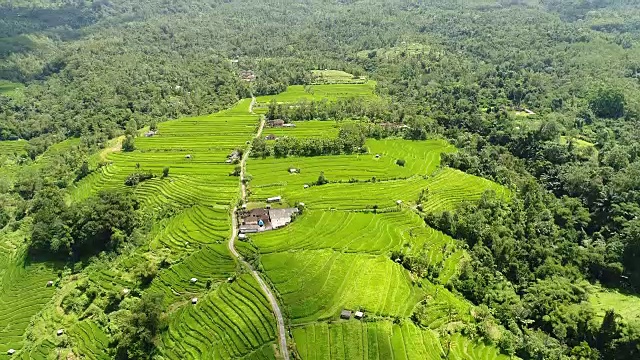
(542, 96)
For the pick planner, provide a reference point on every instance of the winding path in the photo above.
(282, 335)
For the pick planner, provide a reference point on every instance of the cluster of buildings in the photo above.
(280, 123)
(258, 220)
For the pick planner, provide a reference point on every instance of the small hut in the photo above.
(188, 156)
(399, 202)
(306, 186)
(49, 283)
(125, 291)
(60, 332)
(194, 300)
(293, 171)
(358, 315)
(345, 314)
(11, 351)
(242, 236)
(193, 280)
(274, 199)
(377, 156)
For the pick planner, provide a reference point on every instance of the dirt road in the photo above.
(282, 335)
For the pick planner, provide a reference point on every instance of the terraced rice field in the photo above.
(336, 77)
(353, 232)
(422, 158)
(447, 188)
(195, 149)
(331, 92)
(89, 340)
(383, 340)
(23, 294)
(231, 322)
(317, 285)
(15, 147)
(308, 129)
(334, 256)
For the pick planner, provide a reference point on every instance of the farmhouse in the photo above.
(255, 217)
(258, 220)
(276, 123)
(345, 314)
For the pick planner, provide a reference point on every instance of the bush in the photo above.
(400, 162)
(136, 178)
(165, 172)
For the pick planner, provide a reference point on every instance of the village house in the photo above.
(276, 123)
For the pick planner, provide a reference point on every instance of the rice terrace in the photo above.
(286, 180)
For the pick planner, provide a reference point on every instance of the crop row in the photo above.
(233, 321)
(384, 340)
(319, 284)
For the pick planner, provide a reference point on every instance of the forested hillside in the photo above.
(483, 157)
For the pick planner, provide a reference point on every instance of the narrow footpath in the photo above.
(282, 335)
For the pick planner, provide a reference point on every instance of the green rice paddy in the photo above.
(336, 77)
(336, 255)
(384, 340)
(332, 92)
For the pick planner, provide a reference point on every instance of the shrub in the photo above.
(400, 162)
(136, 178)
(165, 172)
